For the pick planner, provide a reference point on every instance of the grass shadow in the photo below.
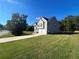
(66, 33)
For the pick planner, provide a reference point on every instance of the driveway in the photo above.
(4, 40)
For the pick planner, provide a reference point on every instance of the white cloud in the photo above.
(17, 2)
(13, 1)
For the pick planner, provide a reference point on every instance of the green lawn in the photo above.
(43, 47)
(11, 35)
(6, 35)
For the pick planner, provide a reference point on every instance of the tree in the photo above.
(30, 28)
(17, 24)
(62, 25)
(70, 23)
(1, 27)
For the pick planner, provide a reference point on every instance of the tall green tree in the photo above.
(17, 24)
(70, 23)
(1, 27)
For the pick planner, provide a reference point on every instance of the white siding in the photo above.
(43, 29)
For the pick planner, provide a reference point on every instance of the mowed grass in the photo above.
(42, 47)
(7, 35)
(11, 35)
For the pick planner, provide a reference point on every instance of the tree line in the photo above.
(18, 23)
(70, 23)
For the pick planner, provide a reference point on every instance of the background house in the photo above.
(45, 26)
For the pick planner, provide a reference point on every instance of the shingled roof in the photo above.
(45, 18)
